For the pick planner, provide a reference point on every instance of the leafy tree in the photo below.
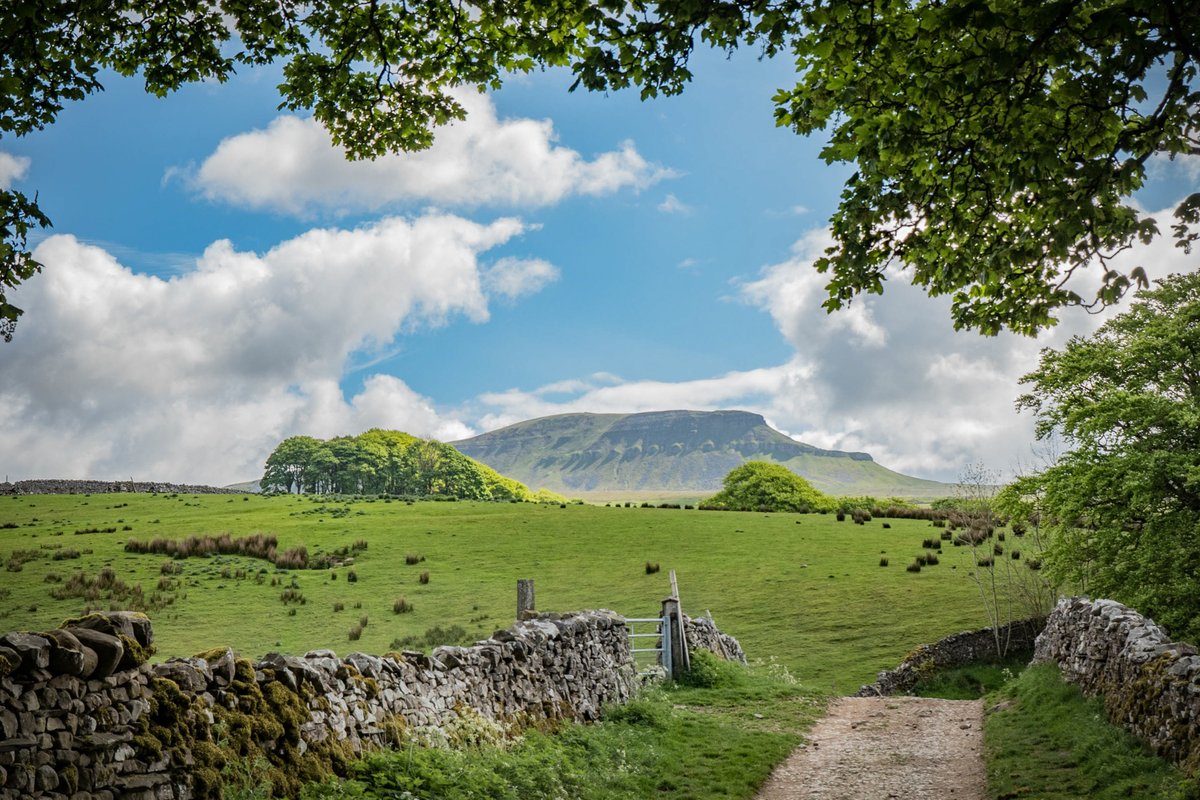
(288, 465)
(1123, 503)
(996, 145)
(760, 485)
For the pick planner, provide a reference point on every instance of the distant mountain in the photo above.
(672, 452)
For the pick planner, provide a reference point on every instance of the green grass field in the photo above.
(806, 590)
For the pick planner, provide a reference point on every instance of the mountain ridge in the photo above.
(673, 452)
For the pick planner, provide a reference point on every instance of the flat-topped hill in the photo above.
(672, 452)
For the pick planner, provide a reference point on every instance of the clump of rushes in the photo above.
(402, 606)
(652, 567)
(913, 567)
(413, 558)
(355, 633)
(351, 576)
(339, 606)
(424, 577)
(292, 596)
(883, 562)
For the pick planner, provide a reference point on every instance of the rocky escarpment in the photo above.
(82, 716)
(107, 487)
(1150, 684)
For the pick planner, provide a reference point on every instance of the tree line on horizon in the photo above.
(388, 462)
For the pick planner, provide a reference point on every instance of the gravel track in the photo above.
(887, 748)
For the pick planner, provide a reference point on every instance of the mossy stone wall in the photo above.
(79, 724)
(1150, 684)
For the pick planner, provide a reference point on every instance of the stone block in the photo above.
(108, 649)
(32, 650)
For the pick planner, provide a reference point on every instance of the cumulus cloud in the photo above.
(293, 167)
(196, 378)
(12, 169)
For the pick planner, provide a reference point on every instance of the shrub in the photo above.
(984, 562)
(351, 576)
(946, 536)
(423, 578)
(652, 567)
(883, 562)
(1016, 555)
(841, 516)
(998, 550)
(887, 524)
(401, 606)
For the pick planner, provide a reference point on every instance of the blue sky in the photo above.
(218, 278)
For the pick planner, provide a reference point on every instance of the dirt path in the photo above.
(887, 748)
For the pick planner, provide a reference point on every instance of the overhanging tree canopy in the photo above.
(996, 143)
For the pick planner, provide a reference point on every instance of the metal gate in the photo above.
(653, 660)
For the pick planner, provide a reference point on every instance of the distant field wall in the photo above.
(1150, 684)
(82, 716)
(107, 487)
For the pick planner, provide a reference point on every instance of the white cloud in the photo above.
(196, 378)
(293, 167)
(513, 277)
(673, 205)
(12, 169)
(687, 263)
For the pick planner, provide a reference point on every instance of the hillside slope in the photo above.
(672, 452)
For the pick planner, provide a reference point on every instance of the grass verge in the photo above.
(1045, 740)
(720, 740)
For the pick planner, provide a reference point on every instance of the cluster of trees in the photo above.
(995, 148)
(387, 462)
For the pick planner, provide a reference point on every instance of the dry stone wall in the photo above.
(83, 717)
(106, 487)
(702, 633)
(1150, 684)
(954, 651)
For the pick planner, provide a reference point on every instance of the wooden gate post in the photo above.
(670, 610)
(526, 606)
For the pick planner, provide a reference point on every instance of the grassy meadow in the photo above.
(803, 589)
